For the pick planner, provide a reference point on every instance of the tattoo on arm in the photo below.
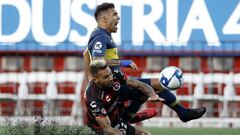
(105, 123)
(87, 61)
(145, 88)
(109, 62)
(113, 62)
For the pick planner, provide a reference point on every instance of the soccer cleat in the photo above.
(143, 115)
(193, 114)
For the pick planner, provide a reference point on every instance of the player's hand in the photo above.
(155, 98)
(133, 66)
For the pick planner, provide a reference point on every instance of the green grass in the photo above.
(23, 129)
(194, 131)
(45, 130)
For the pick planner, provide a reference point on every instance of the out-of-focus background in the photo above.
(41, 64)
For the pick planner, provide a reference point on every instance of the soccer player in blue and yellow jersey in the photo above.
(102, 46)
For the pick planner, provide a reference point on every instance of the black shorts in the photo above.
(128, 93)
(124, 128)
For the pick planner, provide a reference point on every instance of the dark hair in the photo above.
(96, 66)
(104, 6)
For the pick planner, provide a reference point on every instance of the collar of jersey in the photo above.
(104, 30)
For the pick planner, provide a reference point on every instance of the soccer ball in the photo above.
(171, 78)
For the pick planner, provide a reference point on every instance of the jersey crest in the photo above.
(116, 86)
(98, 45)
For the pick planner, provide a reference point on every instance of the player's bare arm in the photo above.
(86, 64)
(105, 123)
(111, 62)
(145, 88)
(116, 62)
(123, 63)
(126, 63)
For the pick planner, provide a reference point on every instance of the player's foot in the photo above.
(143, 115)
(193, 114)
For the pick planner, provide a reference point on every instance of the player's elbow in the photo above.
(85, 53)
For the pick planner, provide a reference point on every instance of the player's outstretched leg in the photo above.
(185, 114)
(193, 114)
(130, 113)
(129, 117)
(143, 115)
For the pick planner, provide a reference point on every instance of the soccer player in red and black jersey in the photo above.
(103, 98)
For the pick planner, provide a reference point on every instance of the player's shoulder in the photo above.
(92, 90)
(101, 33)
(98, 37)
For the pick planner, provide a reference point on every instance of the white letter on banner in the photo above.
(198, 18)
(172, 21)
(37, 23)
(146, 23)
(24, 21)
(232, 26)
(84, 19)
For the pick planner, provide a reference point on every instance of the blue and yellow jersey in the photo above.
(101, 44)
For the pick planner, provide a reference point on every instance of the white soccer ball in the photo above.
(171, 78)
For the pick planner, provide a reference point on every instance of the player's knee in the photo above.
(140, 96)
(143, 132)
(156, 85)
(147, 133)
(143, 98)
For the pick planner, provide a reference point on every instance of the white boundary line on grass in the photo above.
(199, 123)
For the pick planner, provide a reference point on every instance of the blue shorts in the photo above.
(146, 80)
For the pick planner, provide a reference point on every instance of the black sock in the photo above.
(172, 102)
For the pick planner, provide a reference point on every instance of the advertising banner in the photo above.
(153, 27)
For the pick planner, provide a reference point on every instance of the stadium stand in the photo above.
(56, 93)
(218, 101)
(47, 100)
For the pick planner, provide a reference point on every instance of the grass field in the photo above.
(67, 130)
(194, 131)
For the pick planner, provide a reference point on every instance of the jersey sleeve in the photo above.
(96, 108)
(99, 49)
(119, 75)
